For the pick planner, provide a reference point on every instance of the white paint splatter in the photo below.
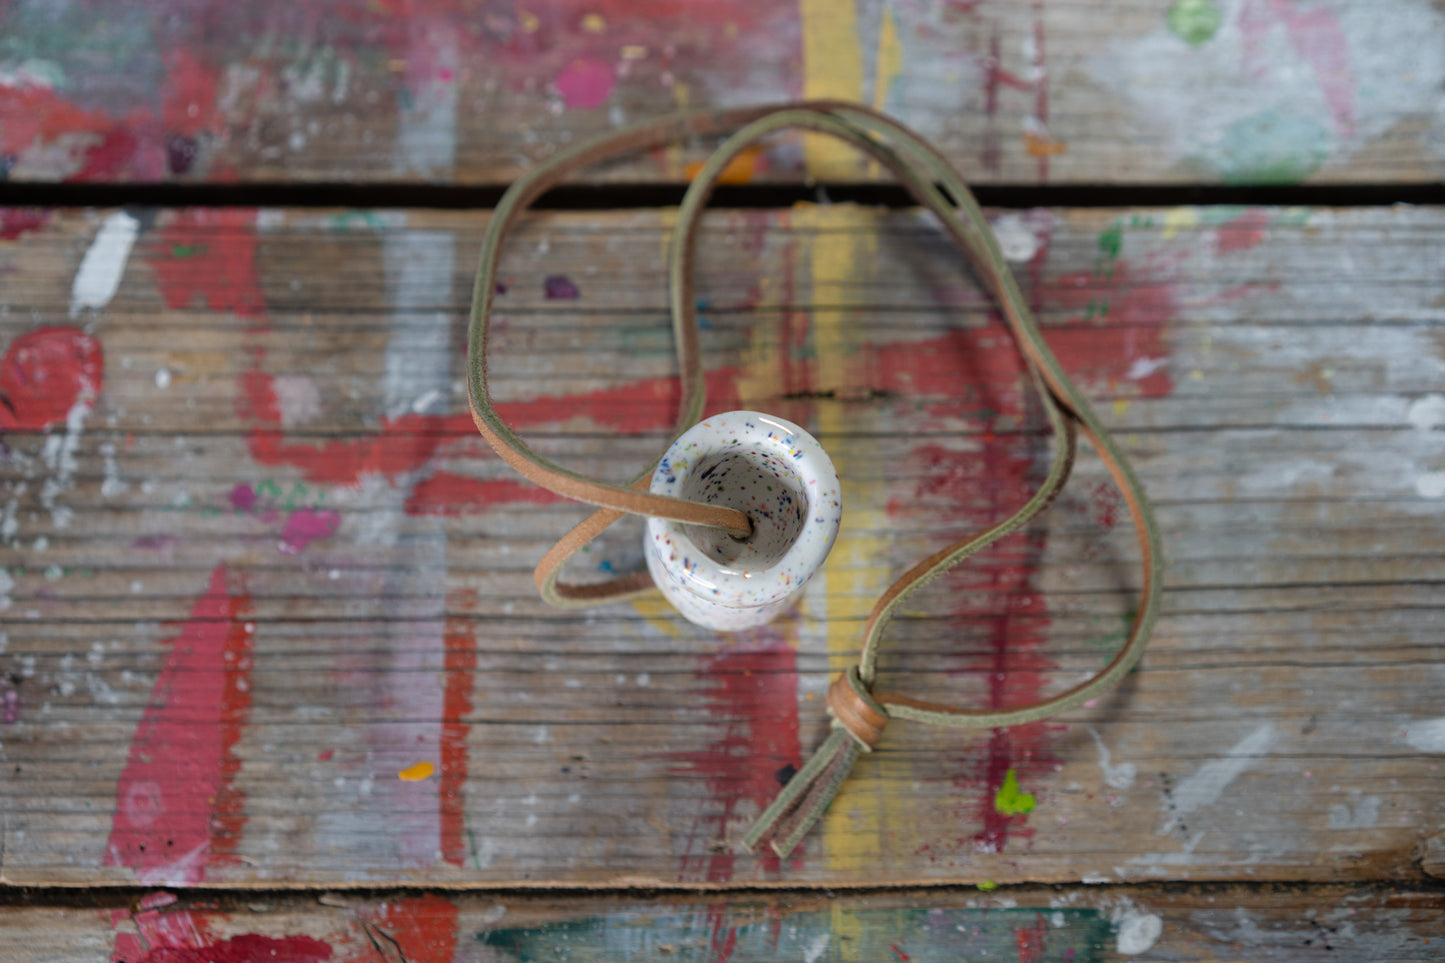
(426, 139)
(1427, 413)
(1155, 863)
(1017, 240)
(1427, 735)
(1191, 99)
(816, 947)
(1144, 367)
(1430, 484)
(419, 267)
(163, 378)
(9, 524)
(1116, 777)
(1209, 781)
(6, 584)
(297, 399)
(1138, 931)
(1366, 813)
(60, 459)
(103, 265)
(110, 485)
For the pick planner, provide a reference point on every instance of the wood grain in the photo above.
(1083, 924)
(447, 92)
(269, 567)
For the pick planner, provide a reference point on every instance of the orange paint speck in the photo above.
(739, 170)
(1043, 147)
(416, 773)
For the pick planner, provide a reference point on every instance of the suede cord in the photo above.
(858, 713)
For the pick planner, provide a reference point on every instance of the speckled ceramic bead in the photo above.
(775, 473)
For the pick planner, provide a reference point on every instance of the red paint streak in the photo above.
(424, 928)
(219, 269)
(408, 443)
(1031, 941)
(177, 808)
(997, 598)
(183, 937)
(249, 948)
(1041, 86)
(101, 146)
(221, 272)
(899, 953)
(1317, 37)
(1106, 502)
(190, 94)
(443, 493)
(753, 692)
(1242, 233)
(460, 665)
(16, 221)
(403, 445)
(723, 942)
(1098, 352)
(305, 526)
(44, 373)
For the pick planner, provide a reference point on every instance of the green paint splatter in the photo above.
(1009, 801)
(987, 886)
(1111, 242)
(1193, 21)
(1272, 148)
(187, 250)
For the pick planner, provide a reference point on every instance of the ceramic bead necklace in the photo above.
(743, 507)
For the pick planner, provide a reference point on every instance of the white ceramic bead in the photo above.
(775, 473)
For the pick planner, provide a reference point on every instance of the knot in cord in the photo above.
(854, 710)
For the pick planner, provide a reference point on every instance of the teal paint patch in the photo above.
(354, 219)
(67, 44)
(1193, 21)
(746, 934)
(1272, 148)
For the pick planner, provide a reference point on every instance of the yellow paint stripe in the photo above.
(832, 69)
(890, 58)
(658, 613)
(1180, 219)
(844, 243)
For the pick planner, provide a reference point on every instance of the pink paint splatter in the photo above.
(304, 526)
(585, 83)
(176, 806)
(243, 498)
(1319, 40)
(559, 287)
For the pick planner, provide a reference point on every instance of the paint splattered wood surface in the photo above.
(451, 91)
(267, 613)
(1027, 924)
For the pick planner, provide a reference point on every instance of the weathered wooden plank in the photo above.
(464, 92)
(268, 566)
(1019, 923)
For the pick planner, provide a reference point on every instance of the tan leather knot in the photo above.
(854, 711)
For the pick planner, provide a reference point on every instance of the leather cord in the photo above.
(859, 714)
